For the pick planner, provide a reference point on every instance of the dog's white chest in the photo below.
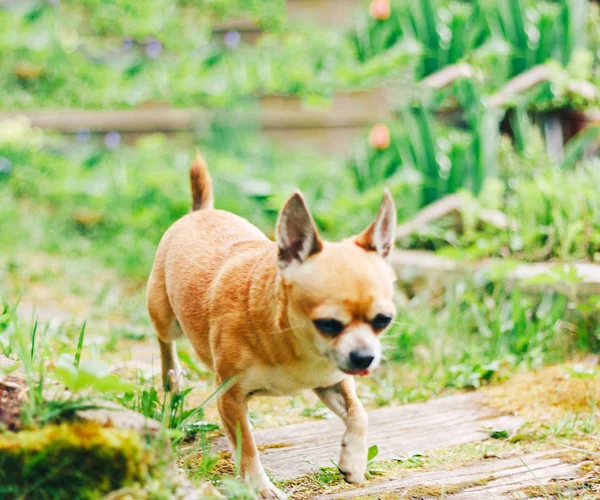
(285, 380)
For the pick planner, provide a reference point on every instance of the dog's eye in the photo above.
(329, 326)
(380, 321)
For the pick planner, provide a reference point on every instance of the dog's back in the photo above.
(190, 262)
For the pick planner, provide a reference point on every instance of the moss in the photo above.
(546, 394)
(567, 489)
(82, 460)
(263, 447)
(308, 486)
(440, 490)
(430, 491)
(390, 495)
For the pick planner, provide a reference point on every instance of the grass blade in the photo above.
(33, 334)
(80, 345)
(575, 148)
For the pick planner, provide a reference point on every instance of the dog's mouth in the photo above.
(357, 372)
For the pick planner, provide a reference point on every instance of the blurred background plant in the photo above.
(488, 103)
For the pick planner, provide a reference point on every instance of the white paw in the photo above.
(271, 493)
(353, 458)
(175, 380)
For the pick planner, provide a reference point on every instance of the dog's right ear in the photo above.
(297, 234)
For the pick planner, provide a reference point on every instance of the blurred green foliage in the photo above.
(119, 54)
(480, 330)
(503, 38)
(100, 53)
(35, 463)
(553, 212)
(448, 156)
(81, 198)
(110, 202)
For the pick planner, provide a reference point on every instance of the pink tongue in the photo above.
(357, 372)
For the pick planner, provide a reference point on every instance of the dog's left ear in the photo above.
(381, 234)
(297, 234)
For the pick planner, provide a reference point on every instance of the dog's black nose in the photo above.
(361, 360)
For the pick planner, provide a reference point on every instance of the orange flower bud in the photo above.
(380, 9)
(379, 137)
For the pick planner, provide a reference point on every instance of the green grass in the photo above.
(54, 455)
(481, 331)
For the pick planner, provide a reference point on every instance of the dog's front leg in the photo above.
(234, 414)
(342, 400)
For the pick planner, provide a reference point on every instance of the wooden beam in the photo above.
(347, 110)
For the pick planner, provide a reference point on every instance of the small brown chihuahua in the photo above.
(276, 317)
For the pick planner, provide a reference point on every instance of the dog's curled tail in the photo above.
(202, 191)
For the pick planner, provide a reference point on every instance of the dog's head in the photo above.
(339, 295)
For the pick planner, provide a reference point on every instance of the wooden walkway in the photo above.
(298, 449)
(292, 451)
(492, 479)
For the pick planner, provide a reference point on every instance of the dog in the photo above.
(276, 317)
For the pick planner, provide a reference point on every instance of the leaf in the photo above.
(498, 433)
(500, 269)
(373, 452)
(80, 344)
(199, 427)
(546, 278)
(90, 376)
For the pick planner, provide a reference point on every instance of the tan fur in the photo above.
(247, 304)
(201, 182)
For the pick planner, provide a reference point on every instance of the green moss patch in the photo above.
(429, 491)
(546, 394)
(82, 460)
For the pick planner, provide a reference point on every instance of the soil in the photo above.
(12, 394)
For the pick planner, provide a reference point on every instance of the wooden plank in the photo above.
(336, 14)
(112, 414)
(299, 449)
(534, 76)
(248, 31)
(419, 269)
(329, 141)
(450, 205)
(499, 478)
(347, 110)
(138, 120)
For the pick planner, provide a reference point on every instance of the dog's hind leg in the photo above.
(342, 400)
(172, 373)
(168, 330)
